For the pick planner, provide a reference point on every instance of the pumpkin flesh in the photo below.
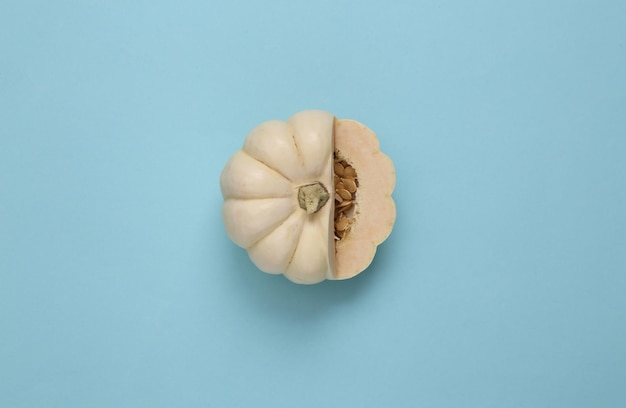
(374, 211)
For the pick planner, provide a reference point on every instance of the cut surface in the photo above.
(373, 212)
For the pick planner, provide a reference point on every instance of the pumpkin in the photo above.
(309, 198)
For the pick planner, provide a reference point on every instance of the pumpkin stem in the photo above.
(312, 197)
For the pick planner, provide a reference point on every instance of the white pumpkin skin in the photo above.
(260, 185)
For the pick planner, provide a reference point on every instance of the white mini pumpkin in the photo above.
(279, 197)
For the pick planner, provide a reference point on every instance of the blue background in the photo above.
(502, 285)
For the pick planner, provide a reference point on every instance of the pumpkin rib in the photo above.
(278, 244)
(239, 214)
(269, 167)
(274, 228)
(271, 144)
(295, 248)
(311, 262)
(295, 143)
(313, 138)
(245, 175)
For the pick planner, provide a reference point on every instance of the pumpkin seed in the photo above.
(349, 184)
(338, 169)
(342, 223)
(344, 204)
(345, 194)
(346, 186)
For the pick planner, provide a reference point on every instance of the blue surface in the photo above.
(502, 285)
